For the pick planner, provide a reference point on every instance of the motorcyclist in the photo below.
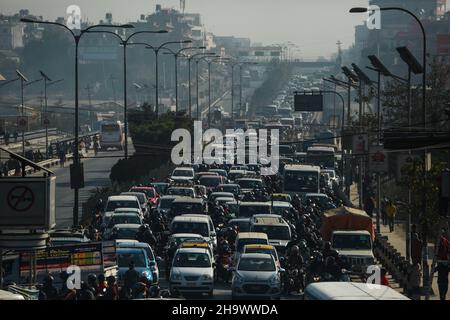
(146, 235)
(295, 260)
(99, 206)
(92, 283)
(131, 277)
(85, 293)
(50, 291)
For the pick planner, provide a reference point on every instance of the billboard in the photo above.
(27, 203)
(360, 143)
(308, 102)
(378, 159)
(87, 256)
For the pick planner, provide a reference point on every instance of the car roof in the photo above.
(352, 291)
(181, 235)
(122, 198)
(282, 204)
(250, 235)
(127, 226)
(259, 246)
(132, 244)
(127, 214)
(143, 187)
(249, 179)
(188, 200)
(254, 203)
(227, 199)
(194, 250)
(256, 255)
(186, 218)
(228, 185)
(351, 232)
(184, 168)
(316, 195)
(123, 210)
(240, 219)
(268, 220)
(169, 196)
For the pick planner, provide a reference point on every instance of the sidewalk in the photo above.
(397, 239)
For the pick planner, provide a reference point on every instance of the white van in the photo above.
(276, 228)
(119, 202)
(192, 223)
(350, 291)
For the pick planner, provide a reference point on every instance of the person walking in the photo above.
(391, 211)
(383, 212)
(369, 205)
(442, 267)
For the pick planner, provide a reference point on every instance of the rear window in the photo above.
(243, 242)
(274, 232)
(179, 208)
(200, 228)
(148, 192)
(249, 211)
(115, 204)
(136, 256)
(210, 181)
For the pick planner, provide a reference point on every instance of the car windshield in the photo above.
(183, 173)
(160, 188)
(124, 233)
(140, 196)
(243, 242)
(249, 211)
(179, 208)
(235, 175)
(181, 192)
(279, 209)
(250, 184)
(210, 181)
(136, 256)
(165, 203)
(200, 228)
(115, 204)
(228, 188)
(302, 181)
(351, 241)
(150, 193)
(261, 250)
(192, 260)
(243, 226)
(123, 220)
(274, 232)
(256, 264)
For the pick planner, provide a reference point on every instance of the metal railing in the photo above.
(36, 134)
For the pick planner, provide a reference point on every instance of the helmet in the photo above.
(295, 250)
(48, 279)
(92, 278)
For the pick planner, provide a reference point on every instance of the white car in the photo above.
(256, 275)
(192, 271)
(182, 174)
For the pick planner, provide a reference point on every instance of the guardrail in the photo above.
(29, 135)
(392, 260)
(54, 161)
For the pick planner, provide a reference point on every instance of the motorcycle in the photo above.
(223, 267)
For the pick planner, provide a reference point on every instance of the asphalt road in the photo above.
(96, 174)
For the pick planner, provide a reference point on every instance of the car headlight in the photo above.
(206, 277)
(274, 279)
(238, 278)
(175, 276)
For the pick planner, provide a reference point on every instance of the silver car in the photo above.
(256, 275)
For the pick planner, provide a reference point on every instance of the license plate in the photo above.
(190, 284)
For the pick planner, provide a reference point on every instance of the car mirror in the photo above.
(282, 270)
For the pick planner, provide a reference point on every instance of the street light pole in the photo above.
(76, 156)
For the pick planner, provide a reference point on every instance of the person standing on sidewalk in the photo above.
(383, 212)
(391, 211)
(442, 266)
(369, 205)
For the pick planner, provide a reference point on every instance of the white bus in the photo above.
(321, 156)
(112, 135)
(301, 179)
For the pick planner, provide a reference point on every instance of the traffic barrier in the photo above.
(30, 135)
(392, 260)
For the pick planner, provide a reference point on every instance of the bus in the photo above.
(300, 179)
(321, 156)
(112, 135)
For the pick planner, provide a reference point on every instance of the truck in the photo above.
(351, 234)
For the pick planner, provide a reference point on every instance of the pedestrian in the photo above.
(413, 285)
(416, 246)
(383, 212)
(391, 211)
(369, 205)
(131, 277)
(442, 267)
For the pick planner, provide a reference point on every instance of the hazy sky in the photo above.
(314, 25)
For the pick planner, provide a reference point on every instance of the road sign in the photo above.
(22, 123)
(27, 203)
(308, 102)
(360, 143)
(378, 159)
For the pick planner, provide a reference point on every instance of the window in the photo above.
(200, 228)
(274, 232)
(137, 257)
(192, 260)
(254, 264)
(115, 204)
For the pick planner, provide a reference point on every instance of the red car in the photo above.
(150, 192)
